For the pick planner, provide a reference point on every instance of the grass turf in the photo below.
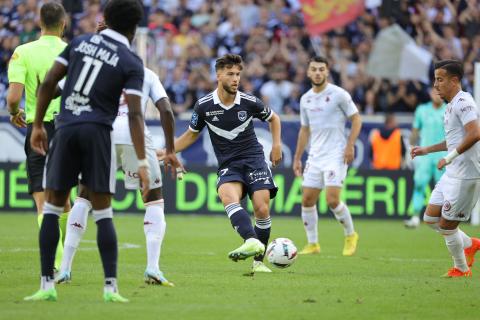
(394, 275)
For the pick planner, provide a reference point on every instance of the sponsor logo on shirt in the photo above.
(214, 113)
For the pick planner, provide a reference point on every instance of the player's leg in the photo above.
(230, 193)
(312, 185)
(263, 224)
(154, 224)
(48, 240)
(76, 228)
(453, 239)
(310, 219)
(333, 186)
(61, 171)
(35, 165)
(99, 166)
(342, 214)
(422, 176)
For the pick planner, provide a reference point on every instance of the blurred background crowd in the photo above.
(184, 37)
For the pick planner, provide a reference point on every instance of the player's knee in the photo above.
(333, 202)
(261, 210)
(432, 222)
(308, 201)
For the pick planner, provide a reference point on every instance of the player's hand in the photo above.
(39, 140)
(144, 175)
(349, 154)
(17, 120)
(297, 168)
(160, 154)
(173, 165)
(441, 164)
(417, 151)
(276, 155)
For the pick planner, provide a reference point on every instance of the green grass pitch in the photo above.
(394, 275)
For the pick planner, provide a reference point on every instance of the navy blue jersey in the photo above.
(231, 128)
(100, 66)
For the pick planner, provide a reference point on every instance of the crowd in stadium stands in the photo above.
(185, 37)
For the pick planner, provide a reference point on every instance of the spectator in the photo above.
(387, 146)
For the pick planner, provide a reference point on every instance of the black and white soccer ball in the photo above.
(281, 253)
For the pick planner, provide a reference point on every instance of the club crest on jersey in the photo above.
(242, 115)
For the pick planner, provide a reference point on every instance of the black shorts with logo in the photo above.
(253, 173)
(35, 161)
(86, 149)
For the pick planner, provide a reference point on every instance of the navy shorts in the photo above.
(253, 173)
(86, 149)
(35, 161)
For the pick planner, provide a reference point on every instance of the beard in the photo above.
(318, 84)
(229, 90)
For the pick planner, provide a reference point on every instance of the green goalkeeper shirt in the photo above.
(429, 122)
(29, 64)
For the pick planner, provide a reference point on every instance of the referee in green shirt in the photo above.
(27, 68)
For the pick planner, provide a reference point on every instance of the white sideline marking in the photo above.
(124, 245)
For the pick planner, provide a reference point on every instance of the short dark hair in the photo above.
(453, 67)
(123, 15)
(319, 59)
(52, 14)
(228, 61)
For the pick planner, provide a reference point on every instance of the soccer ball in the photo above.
(281, 252)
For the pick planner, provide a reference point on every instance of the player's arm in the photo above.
(302, 140)
(46, 93)
(186, 140)
(421, 151)
(472, 136)
(17, 72)
(276, 131)
(354, 132)
(168, 125)
(414, 136)
(14, 96)
(137, 129)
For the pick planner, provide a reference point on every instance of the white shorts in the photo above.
(128, 161)
(456, 196)
(315, 177)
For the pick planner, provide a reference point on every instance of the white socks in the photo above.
(154, 226)
(432, 222)
(110, 285)
(342, 214)
(467, 241)
(76, 227)
(310, 223)
(46, 283)
(455, 244)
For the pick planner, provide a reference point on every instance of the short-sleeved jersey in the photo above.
(100, 67)
(231, 127)
(153, 89)
(29, 64)
(326, 114)
(460, 111)
(429, 122)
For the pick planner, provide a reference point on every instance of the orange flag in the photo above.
(324, 15)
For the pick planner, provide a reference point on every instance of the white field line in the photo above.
(124, 245)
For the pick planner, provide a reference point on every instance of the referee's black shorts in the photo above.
(35, 161)
(85, 148)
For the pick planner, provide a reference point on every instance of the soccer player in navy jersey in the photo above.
(99, 67)
(228, 114)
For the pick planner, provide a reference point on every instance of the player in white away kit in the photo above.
(324, 111)
(456, 193)
(154, 221)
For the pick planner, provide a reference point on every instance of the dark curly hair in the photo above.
(123, 15)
